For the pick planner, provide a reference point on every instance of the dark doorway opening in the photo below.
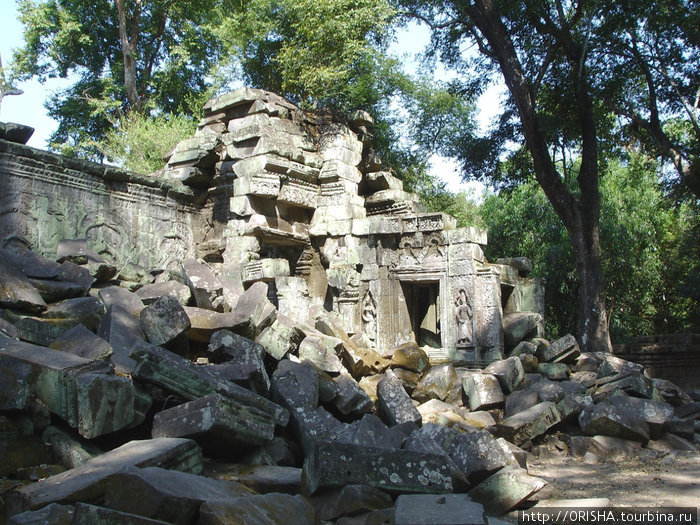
(423, 303)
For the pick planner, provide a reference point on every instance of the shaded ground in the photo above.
(670, 481)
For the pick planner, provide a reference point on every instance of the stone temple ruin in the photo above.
(302, 203)
(271, 326)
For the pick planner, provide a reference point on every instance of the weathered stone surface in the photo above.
(548, 390)
(409, 356)
(521, 400)
(432, 509)
(52, 291)
(92, 514)
(150, 292)
(122, 331)
(82, 342)
(116, 295)
(53, 514)
(483, 391)
(86, 481)
(340, 464)
(66, 449)
(265, 509)
(164, 322)
(506, 489)
(167, 370)
(220, 426)
(295, 384)
(611, 365)
(632, 383)
(260, 478)
(350, 399)
(572, 405)
(529, 423)
(79, 275)
(281, 338)
(72, 250)
(521, 325)
(476, 454)
(393, 401)
(657, 414)
(616, 421)
(16, 383)
(206, 288)
(105, 403)
(15, 289)
(554, 371)
(203, 323)
(350, 501)
(437, 383)
(565, 349)
(242, 360)
(254, 312)
(509, 372)
(322, 351)
(102, 270)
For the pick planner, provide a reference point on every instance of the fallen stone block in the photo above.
(322, 351)
(149, 293)
(87, 481)
(509, 372)
(611, 365)
(53, 514)
(53, 291)
(523, 347)
(72, 250)
(483, 391)
(105, 404)
(506, 489)
(221, 427)
(122, 331)
(260, 478)
(332, 465)
(565, 350)
(15, 289)
(554, 371)
(370, 431)
(8, 330)
(572, 404)
(409, 356)
(408, 379)
(616, 421)
(123, 298)
(295, 384)
(350, 501)
(82, 342)
(66, 449)
(350, 399)
(281, 338)
(548, 390)
(92, 514)
(167, 370)
(246, 369)
(432, 509)
(437, 383)
(393, 401)
(521, 400)
(203, 323)
(476, 454)
(521, 325)
(529, 423)
(254, 312)
(265, 509)
(656, 414)
(164, 323)
(207, 290)
(633, 384)
(16, 383)
(32, 264)
(102, 270)
(433, 406)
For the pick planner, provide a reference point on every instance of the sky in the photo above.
(28, 108)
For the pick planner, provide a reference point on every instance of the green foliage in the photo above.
(140, 143)
(649, 252)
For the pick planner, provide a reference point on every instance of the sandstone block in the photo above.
(82, 342)
(529, 423)
(521, 400)
(431, 509)
(150, 292)
(281, 338)
(322, 351)
(254, 312)
(122, 331)
(105, 404)
(116, 295)
(506, 489)
(265, 509)
(72, 250)
(206, 288)
(393, 401)
(15, 289)
(483, 391)
(437, 383)
(509, 372)
(616, 421)
(350, 399)
(521, 325)
(562, 350)
(409, 356)
(476, 454)
(165, 322)
(349, 501)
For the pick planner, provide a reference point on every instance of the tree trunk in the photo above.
(129, 38)
(580, 217)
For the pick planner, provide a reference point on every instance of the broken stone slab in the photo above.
(15, 289)
(523, 347)
(433, 509)
(631, 383)
(167, 370)
(116, 295)
(72, 250)
(616, 421)
(506, 489)
(295, 384)
(207, 290)
(480, 419)
(572, 404)
(409, 356)
(102, 270)
(547, 389)
(670, 392)
(519, 326)
(529, 423)
(350, 399)
(408, 379)
(611, 365)
(242, 360)
(151, 292)
(79, 275)
(281, 338)
(79, 310)
(476, 454)
(254, 312)
(203, 323)
(30, 263)
(85, 481)
(260, 478)
(565, 349)
(165, 322)
(68, 450)
(220, 426)
(8, 330)
(393, 401)
(52, 291)
(16, 383)
(436, 383)
(105, 404)
(521, 400)
(53, 514)
(350, 501)
(509, 372)
(265, 509)
(433, 406)
(370, 431)
(322, 351)
(657, 414)
(82, 342)
(554, 371)
(483, 391)
(332, 465)
(86, 514)
(122, 331)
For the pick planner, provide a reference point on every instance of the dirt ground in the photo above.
(673, 480)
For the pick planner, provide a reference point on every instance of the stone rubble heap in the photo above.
(129, 396)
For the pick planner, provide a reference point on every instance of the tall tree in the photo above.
(541, 50)
(123, 56)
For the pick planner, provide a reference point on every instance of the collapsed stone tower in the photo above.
(303, 203)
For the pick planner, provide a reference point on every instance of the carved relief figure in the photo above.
(369, 316)
(463, 313)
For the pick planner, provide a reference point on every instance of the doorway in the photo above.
(423, 303)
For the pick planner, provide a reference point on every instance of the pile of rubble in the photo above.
(244, 415)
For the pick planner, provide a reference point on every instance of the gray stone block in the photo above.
(82, 342)
(529, 423)
(509, 372)
(393, 401)
(350, 399)
(164, 322)
(432, 509)
(265, 509)
(565, 348)
(616, 421)
(436, 383)
(207, 290)
(126, 300)
(122, 331)
(476, 454)
(506, 489)
(86, 514)
(150, 292)
(15, 289)
(483, 391)
(350, 501)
